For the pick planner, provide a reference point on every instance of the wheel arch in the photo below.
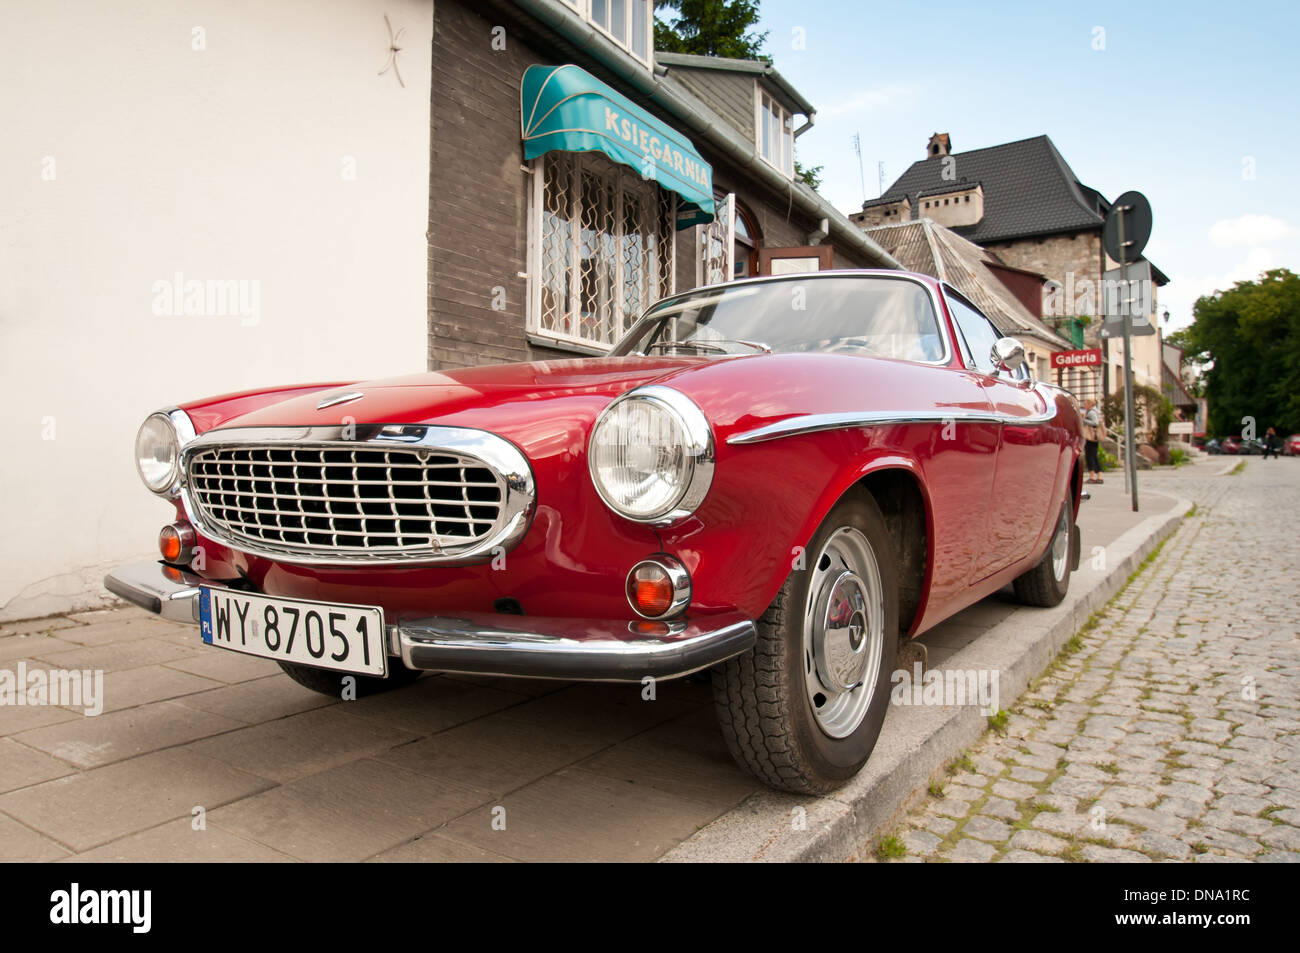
(905, 505)
(895, 484)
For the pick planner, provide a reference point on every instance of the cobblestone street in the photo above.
(1170, 728)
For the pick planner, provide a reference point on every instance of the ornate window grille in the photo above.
(601, 251)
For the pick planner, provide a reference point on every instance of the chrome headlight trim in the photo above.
(182, 433)
(699, 449)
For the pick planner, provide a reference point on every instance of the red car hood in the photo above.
(549, 406)
(513, 400)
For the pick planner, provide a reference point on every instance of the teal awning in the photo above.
(566, 108)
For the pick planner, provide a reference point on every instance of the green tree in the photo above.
(710, 28)
(810, 175)
(1248, 339)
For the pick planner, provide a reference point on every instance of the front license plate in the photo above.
(343, 638)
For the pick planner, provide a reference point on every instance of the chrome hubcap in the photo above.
(1061, 545)
(843, 632)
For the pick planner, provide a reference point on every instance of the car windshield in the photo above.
(879, 316)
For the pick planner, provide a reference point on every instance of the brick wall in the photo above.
(1054, 257)
(478, 194)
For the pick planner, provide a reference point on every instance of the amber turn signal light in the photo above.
(658, 587)
(176, 542)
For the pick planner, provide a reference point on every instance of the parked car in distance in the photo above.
(1230, 445)
(1291, 446)
(1251, 447)
(778, 479)
(1213, 446)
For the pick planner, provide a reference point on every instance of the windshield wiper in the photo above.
(711, 345)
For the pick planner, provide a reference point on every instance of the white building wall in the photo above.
(130, 156)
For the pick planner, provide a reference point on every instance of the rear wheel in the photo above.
(331, 683)
(1048, 582)
(802, 710)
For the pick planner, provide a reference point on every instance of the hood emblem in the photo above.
(340, 399)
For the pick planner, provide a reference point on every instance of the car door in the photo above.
(1028, 453)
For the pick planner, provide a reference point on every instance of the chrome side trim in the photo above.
(813, 423)
(510, 465)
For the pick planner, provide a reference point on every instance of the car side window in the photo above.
(978, 332)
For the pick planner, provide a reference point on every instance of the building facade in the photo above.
(1023, 203)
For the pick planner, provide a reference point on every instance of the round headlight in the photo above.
(157, 453)
(651, 455)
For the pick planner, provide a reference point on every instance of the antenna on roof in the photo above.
(880, 169)
(857, 147)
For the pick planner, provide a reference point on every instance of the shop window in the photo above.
(601, 248)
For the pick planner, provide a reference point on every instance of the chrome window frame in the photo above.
(968, 355)
(519, 493)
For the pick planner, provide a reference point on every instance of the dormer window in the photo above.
(774, 133)
(627, 22)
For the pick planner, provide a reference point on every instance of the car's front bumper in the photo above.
(491, 643)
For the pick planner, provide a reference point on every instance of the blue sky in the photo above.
(1184, 103)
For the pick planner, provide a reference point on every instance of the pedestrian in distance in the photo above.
(1270, 443)
(1093, 430)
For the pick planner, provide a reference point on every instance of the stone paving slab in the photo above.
(576, 771)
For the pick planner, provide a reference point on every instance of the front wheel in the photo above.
(803, 708)
(1048, 582)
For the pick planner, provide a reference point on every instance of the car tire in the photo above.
(766, 698)
(1047, 583)
(331, 683)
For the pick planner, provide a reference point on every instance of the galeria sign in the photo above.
(1091, 357)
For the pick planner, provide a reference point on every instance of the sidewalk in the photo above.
(460, 768)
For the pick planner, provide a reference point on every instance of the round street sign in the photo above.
(1137, 226)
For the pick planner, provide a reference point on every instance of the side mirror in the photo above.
(1008, 354)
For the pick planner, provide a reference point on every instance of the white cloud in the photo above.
(1250, 230)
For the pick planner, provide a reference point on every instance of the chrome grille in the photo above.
(355, 503)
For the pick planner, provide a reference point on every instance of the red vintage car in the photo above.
(779, 479)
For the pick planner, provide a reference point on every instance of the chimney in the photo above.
(939, 145)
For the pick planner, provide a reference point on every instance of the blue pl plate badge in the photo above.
(205, 614)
